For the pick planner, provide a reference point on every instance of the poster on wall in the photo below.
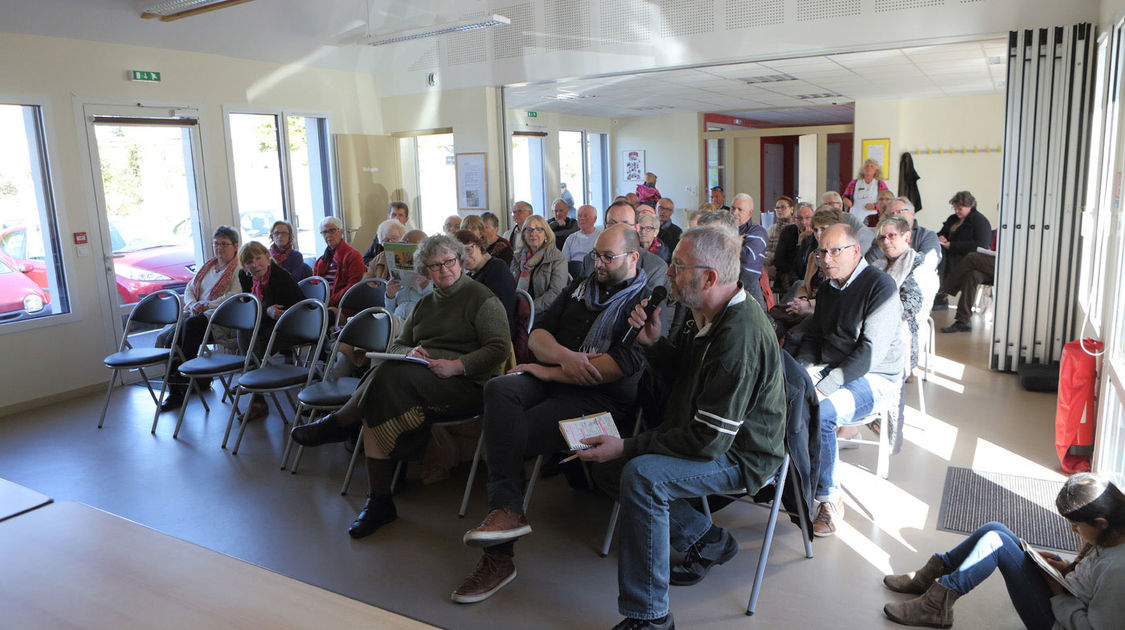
(633, 166)
(472, 181)
(878, 149)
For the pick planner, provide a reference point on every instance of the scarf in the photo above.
(528, 261)
(260, 284)
(655, 246)
(600, 336)
(279, 254)
(224, 280)
(900, 269)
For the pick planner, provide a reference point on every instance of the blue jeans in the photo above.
(655, 517)
(994, 546)
(854, 401)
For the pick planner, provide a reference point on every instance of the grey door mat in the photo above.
(1024, 504)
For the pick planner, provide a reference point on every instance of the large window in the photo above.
(282, 171)
(716, 170)
(584, 166)
(32, 283)
(430, 171)
(527, 171)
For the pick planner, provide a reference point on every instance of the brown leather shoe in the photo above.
(827, 513)
(493, 571)
(499, 526)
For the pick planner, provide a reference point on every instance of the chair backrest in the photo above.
(365, 294)
(314, 287)
(526, 297)
(303, 323)
(163, 308)
(241, 312)
(370, 330)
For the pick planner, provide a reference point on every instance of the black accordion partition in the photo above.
(1046, 153)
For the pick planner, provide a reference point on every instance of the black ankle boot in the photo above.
(378, 511)
(174, 400)
(324, 431)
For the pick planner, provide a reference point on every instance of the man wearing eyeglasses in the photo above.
(669, 232)
(582, 367)
(520, 211)
(922, 240)
(853, 351)
(622, 213)
(341, 265)
(562, 225)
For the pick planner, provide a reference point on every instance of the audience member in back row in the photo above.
(792, 318)
(669, 232)
(341, 265)
(964, 231)
(562, 225)
(913, 273)
(722, 428)
(579, 244)
(582, 367)
(861, 197)
(976, 268)
(452, 224)
(474, 224)
(922, 240)
(882, 207)
(853, 352)
(398, 211)
(461, 331)
(390, 231)
(539, 266)
(521, 210)
(283, 252)
(718, 198)
(491, 272)
(621, 212)
(647, 227)
(783, 216)
(753, 253)
(495, 245)
(213, 283)
(403, 295)
(276, 290)
(794, 244)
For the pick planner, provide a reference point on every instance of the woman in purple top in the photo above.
(282, 251)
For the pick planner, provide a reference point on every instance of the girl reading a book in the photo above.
(1086, 593)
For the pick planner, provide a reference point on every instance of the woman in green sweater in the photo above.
(460, 334)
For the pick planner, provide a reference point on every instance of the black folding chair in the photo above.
(303, 324)
(159, 309)
(361, 295)
(238, 312)
(314, 287)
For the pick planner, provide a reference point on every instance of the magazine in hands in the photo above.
(388, 356)
(1046, 567)
(575, 429)
(400, 262)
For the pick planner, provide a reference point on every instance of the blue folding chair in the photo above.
(314, 287)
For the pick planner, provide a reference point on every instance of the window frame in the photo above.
(49, 159)
(606, 149)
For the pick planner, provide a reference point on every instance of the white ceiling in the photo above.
(928, 71)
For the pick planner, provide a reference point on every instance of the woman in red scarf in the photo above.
(284, 254)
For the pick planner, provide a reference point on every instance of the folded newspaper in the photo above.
(400, 262)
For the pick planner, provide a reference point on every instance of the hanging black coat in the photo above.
(908, 181)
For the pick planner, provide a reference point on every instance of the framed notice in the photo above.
(878, 149)
(633, 165)
(472, 181)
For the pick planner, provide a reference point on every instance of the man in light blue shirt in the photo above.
(579, 244)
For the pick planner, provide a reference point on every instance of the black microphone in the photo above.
(654, 300)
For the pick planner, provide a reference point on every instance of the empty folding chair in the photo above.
(159, 309)
(890, 429)
(242, 312)
(370, 329)
(304, 323)
(314, 287)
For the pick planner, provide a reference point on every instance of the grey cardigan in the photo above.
(548, 278)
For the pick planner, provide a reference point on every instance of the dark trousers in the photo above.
(521, 419)
(974, 270)
(191, 335)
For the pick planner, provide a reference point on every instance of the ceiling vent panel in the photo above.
(816, 10)
(889, 6)
(679, 18)
(467, 46)
(567, 25)
(428, 60)
(518, 38)
(625, 21)
(754, 13)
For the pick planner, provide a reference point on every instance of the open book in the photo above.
(1042, 563)
(575, 429)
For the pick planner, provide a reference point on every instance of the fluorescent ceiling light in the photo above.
(471, 24)
(176, 9)
(769, 78)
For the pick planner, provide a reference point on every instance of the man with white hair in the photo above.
(341, 265)
(922, 240)
(520, 211)
(562, 225)
(754, 240)
(833, 199)
(579, 244)
(722, 428)
(452, 224)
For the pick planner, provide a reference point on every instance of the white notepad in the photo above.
(575, 430)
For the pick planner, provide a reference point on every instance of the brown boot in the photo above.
(916, 582)
(493, 571)
(933, 609)
(501, 525)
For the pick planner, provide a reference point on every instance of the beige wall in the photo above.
(63, 357)
(940, 123)
(672, 147)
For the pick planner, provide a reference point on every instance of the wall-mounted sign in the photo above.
(532, 114)
(472, 181)
(145, 76)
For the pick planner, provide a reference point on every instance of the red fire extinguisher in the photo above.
(1076, 410)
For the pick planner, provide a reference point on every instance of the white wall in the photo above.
(940, 123)
(672, 147)
(58, 358)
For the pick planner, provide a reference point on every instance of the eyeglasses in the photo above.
(677, 267)
(329, 231)
(833, 252)
(533, 230)
(645, 228)
(279, 233)
(222, 243)
(606, 259)
(447, 263)
(889, 237)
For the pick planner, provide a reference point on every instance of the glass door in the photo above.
(148, 187)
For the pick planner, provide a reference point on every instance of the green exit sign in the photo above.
(532, 114)
(151, 76)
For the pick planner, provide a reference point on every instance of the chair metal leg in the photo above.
(706, 506)
(163, 389)
(921, 395)
(108, 394)
(233, 412)
(183, 408)
(289, 439)
(199, 390)
(764, 552)
(351, 467)
(400, 470)
(610, 528)
(472, 477)
(241, 431)
(884, 467)
(531, 483)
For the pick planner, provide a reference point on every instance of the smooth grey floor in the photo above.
(295, 524)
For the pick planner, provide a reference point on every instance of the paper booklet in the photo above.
(400, 262)
(575, 429)
(1042, 563)
(387, 356)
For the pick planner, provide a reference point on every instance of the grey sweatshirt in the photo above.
(1100, 582)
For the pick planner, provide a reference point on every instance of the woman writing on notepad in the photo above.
(1094, 595)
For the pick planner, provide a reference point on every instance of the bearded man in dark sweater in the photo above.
(722, 427)
(852, 350)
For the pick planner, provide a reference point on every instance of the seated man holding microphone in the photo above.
(585, 366)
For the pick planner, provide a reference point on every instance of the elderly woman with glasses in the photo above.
(455, 340)
(283, 253)
(648, 228)
(539, 266)
(913, 273)
(341, 265)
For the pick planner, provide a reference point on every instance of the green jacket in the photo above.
(727, 393)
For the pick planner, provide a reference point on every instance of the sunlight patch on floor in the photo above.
(864, 547)
(992, 457)
(892, 509)
(929, 433)
(941, 366)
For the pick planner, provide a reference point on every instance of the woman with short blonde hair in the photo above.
(539, 266)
